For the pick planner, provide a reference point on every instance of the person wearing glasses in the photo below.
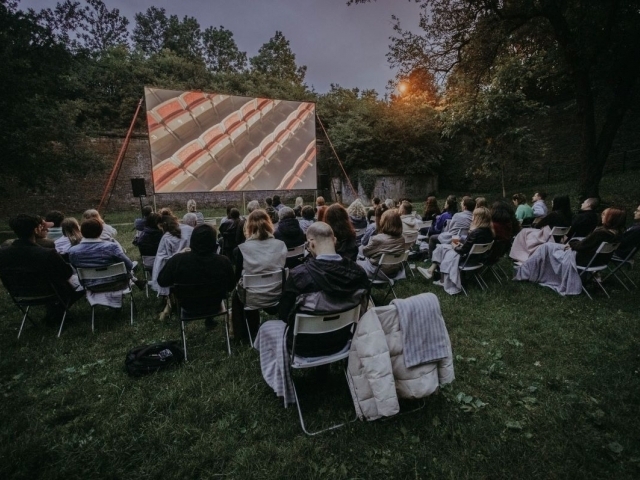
(630, 237)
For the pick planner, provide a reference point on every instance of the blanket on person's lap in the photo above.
(554, 267)
(527, 241)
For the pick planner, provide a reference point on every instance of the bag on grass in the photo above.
(147, 359)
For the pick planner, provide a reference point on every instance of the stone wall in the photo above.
(415, 188)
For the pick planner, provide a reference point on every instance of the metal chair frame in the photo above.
(309, 324)
(387, 259)
(628, 260)
(199, 291)
(266, 279)
(476, 249)
(558, 232)
(147, 270)
(604, 249)
(120, 282)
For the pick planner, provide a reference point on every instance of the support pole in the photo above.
(111, 183)
(355, 192)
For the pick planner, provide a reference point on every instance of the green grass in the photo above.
(546, 387)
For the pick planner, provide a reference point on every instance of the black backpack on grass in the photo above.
(152, 358)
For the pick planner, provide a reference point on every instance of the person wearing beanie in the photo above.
(200, 265)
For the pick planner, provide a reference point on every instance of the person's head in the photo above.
(169, 224)
(91, 228)
(234, 214)
(253, 205)
(540, 195)
(299, 202)
(165, 211)
(481, 218)
(286, 212)
(380, 209)
(391, 223)
(25, 226)
(338, 219)
(590, 204)
(258, 225)
(71, 230)
(268, 201)
(55, 217)
(92, 213)
(43, 231)
(308, 213)
(502, 212)
(276, 200)
(481, 202)
(190, 219)
(451, 204)
(431, 205)
(405, 208)
(320, 201)
(229, 208)
(320, 239)
(356, 209)
(562, 204)
(152, 220)
(146, 211)
(191, 205)
(614, 218)
(203, 240)
(468, 204)
(519, 199)
(636, 214)
(376, 201)
(390, 203)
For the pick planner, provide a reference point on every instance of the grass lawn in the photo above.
(546, 387)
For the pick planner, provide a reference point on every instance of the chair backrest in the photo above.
(264, 279)
(476, 249)
(459, 231)
(559, 232)
(199, 296)
(306, 323)
(425, 224)
(147, 262)
(410, 238)
(109, 278)
(392, 258)
(605, 251)
(295, 251)
(628, 258)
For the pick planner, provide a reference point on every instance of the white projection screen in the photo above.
(207, 142)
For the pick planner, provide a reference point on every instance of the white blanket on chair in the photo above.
(449, 261)
(274, 358)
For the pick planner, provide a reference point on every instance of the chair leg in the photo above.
(131, 306)
(24, 319)
(184, 340)
(226, 327)
(64, 315)
(603, 289)
(93, 316)
(585, 291)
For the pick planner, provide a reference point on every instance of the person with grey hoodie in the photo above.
(461, 221)
(409, 220)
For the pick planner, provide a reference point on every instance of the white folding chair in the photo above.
(295, 254)
(470, 265)
(198, 293)
(307, 324)
(388, 259)
(258, 284)
(111, 278)
(558, 232)
(421, 225)
(606, 250)
(147, 269)
(621, 262)
(410, 239)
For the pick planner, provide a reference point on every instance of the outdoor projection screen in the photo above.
(202, 142)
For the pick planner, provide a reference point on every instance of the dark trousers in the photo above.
(238, 315)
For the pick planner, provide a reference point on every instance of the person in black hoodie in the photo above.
(338, 278)
(149, 240)
(586, 220)
(289, 231)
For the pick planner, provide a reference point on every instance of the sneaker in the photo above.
(425, 273)
(439, 283)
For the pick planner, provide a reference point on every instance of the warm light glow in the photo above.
(402, 87)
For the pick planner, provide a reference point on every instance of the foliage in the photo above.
(276, 59)
(221, 52)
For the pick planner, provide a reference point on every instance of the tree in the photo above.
(276, 59)
(596, 44)
(221, 54)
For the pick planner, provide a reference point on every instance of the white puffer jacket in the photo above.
(377, 372)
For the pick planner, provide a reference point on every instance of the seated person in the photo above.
(374, 227)
(388, 240)
(272, 212)
(524, 213)
(631, 236)
(289, 231)
(174, 239)
(149, 239)
(461, 221)
(308, 217)
(613, 220)
(228, 232)
(297, 209)
(539, 207)
(321, 209)
(450, 208)
(431, 211)
(200, 264)
(70, 235)
(191, 208)
(25, 256)
(108, 232)
(337, 278)
(357, 215)
(190, 219)
(447, 257)
(139, 223)
(586, 220)
(42, 235)
(337, 218)
(372, 211)
(251, 206)
(560, 215)
(408, 218)
(55, 231)
(260, 253)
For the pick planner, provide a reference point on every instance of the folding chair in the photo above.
(410, 239)
(257, 284)
(467, 266)
(606, 250)
(28, 290)
(112, 278)
(295, 255)
(147, 269)
(558, 233)
(200, 295)
(308, 324)
(621, 262)
(388, 259)
(499, 249)
(421, 238)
